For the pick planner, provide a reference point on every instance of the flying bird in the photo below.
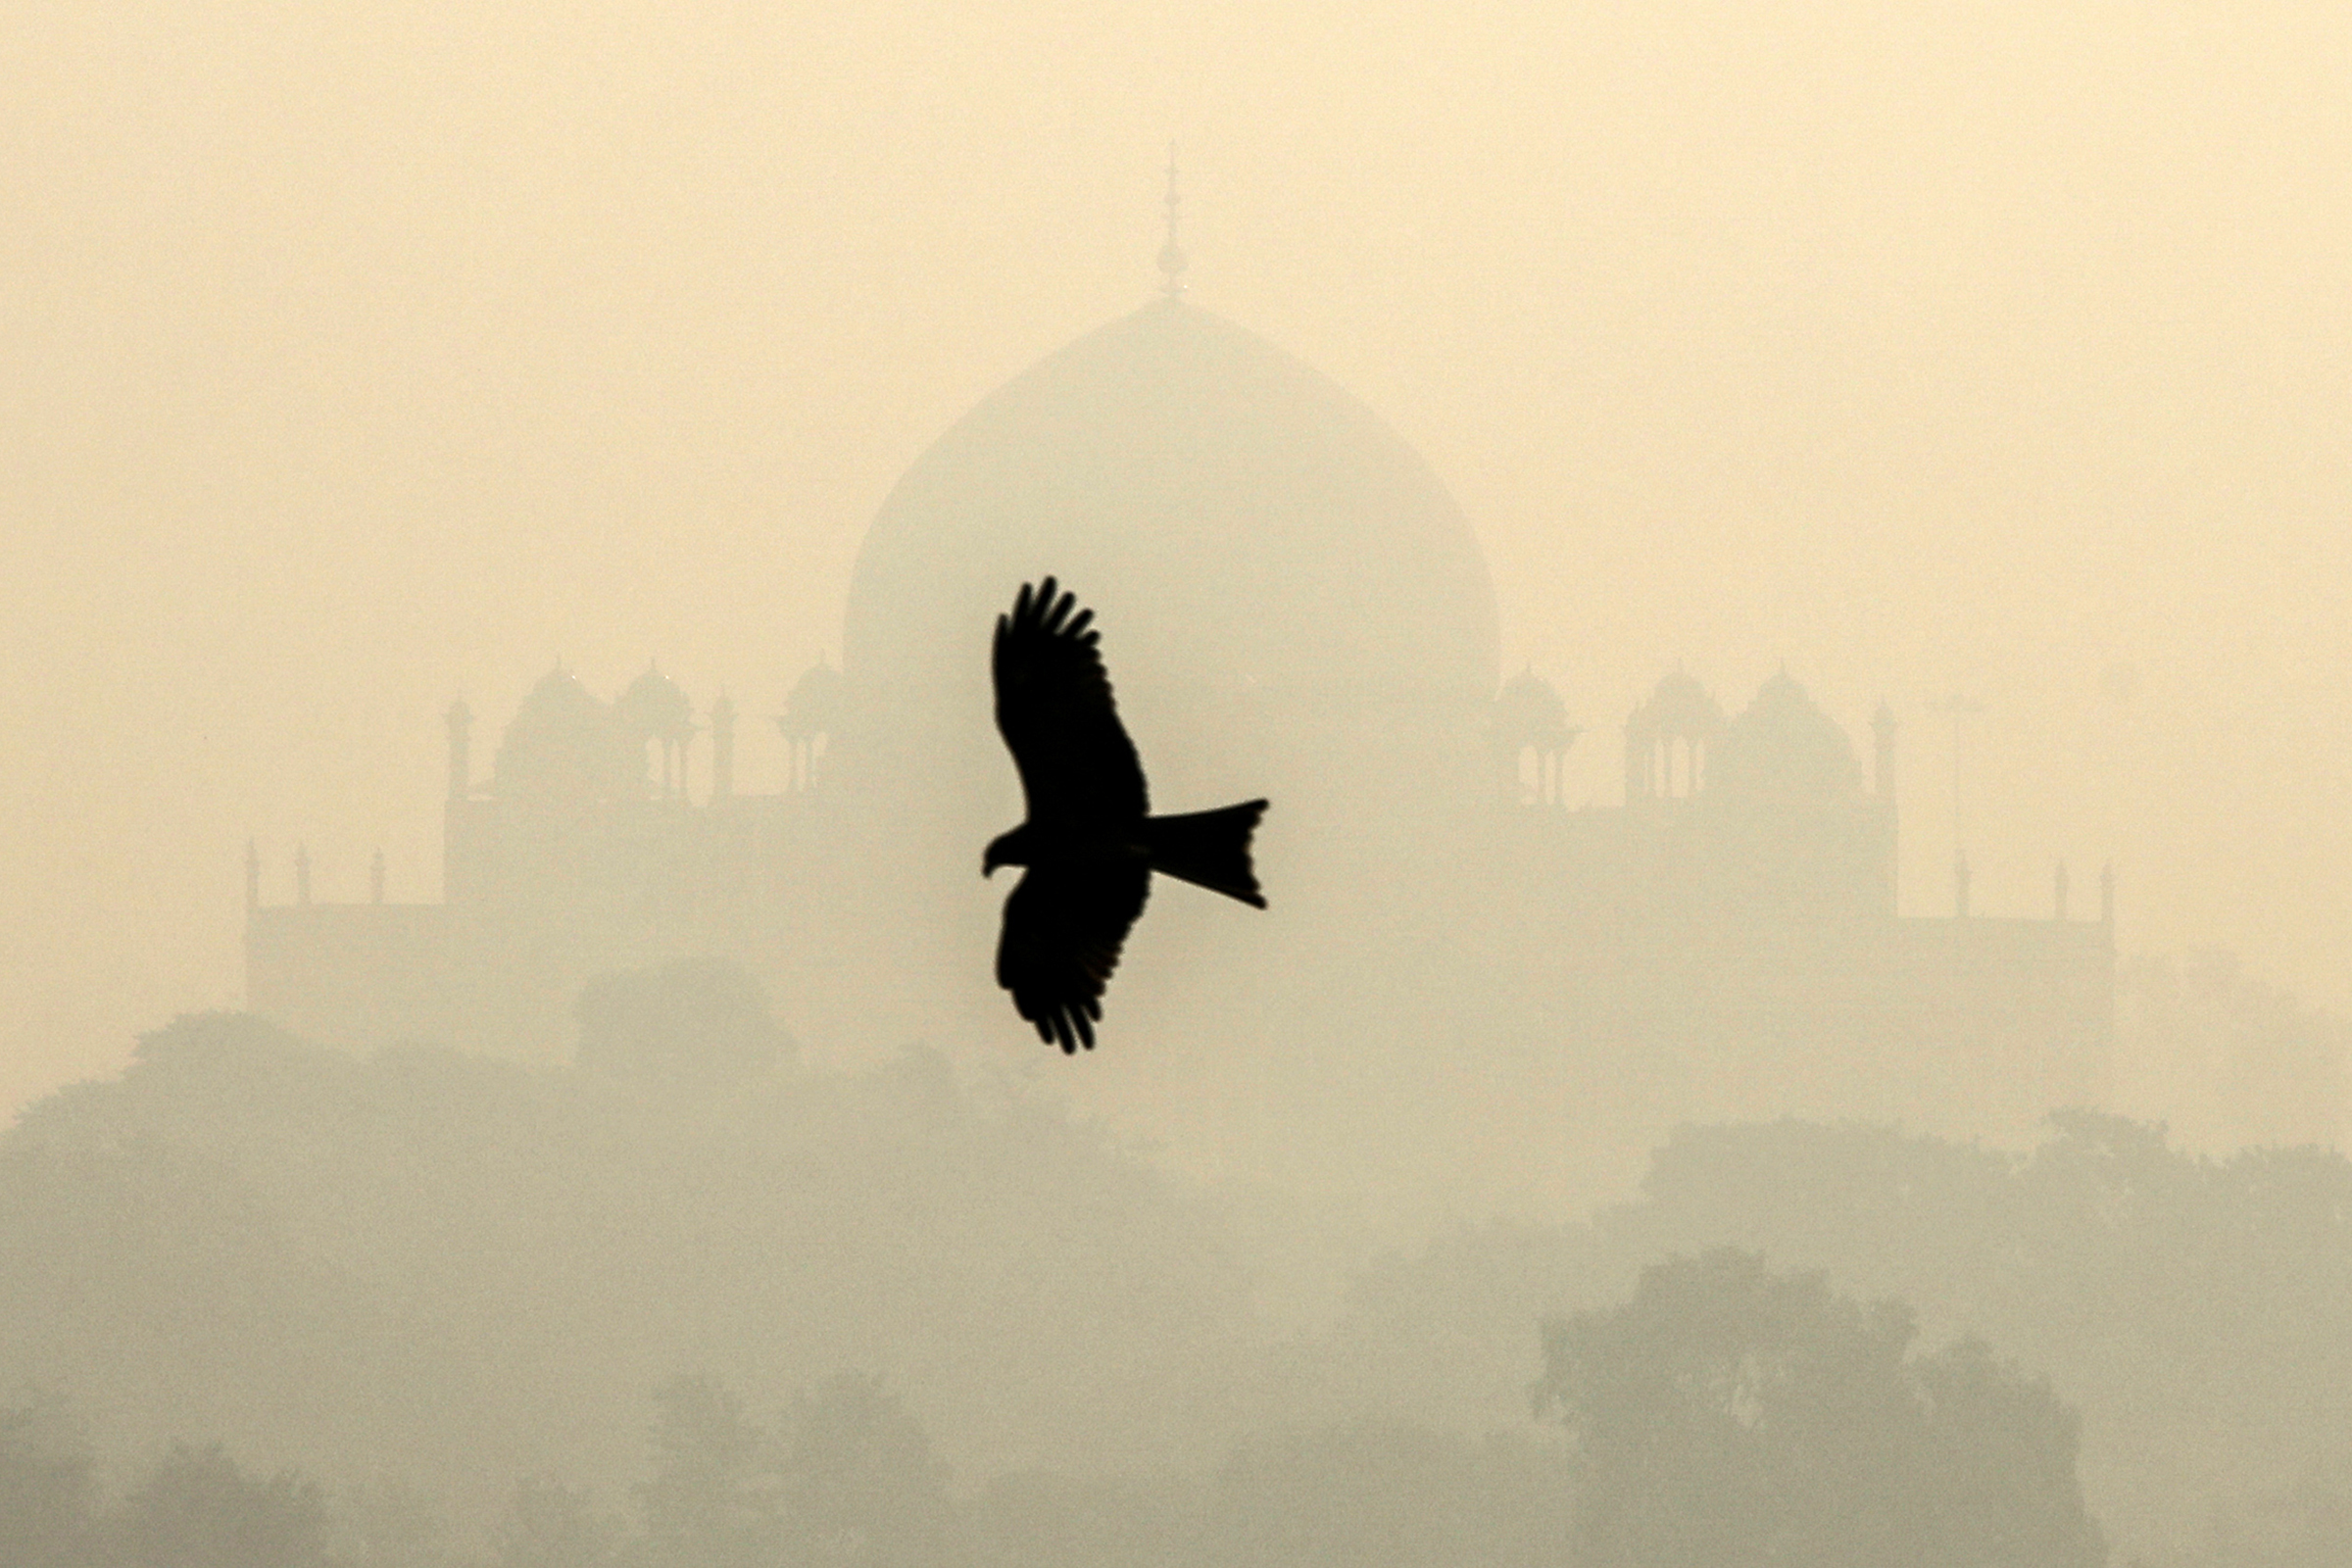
(1090, 844)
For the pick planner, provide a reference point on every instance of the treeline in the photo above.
(193, 1507)
(458, 1270)
(1724, 1414)
(2197, 1312)
(421, 1275)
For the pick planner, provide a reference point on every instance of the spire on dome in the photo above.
(1171, 254)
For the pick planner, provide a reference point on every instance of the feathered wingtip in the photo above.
(1070, 1025)
(1045, 606)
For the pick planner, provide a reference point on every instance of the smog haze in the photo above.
(363, 358)
(1786, 572)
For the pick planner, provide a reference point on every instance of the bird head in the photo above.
(1005, 848)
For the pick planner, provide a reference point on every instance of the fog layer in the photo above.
(360, 357)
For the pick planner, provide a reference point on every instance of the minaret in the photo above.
(1882, 788)
(1959, 707)
(460, 749)
(253, 876)
(1881, 776)
(723, 748)
(1171, 254)
(460, 788)
(2107, 899)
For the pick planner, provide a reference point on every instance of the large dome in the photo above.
(1280, 578)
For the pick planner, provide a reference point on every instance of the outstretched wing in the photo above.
(1054, 710)
(1062, 933)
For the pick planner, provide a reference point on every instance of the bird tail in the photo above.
(1209, 849)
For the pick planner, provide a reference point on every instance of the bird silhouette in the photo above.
(1090, 844)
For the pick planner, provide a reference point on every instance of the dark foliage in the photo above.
(1367, 1493)
(848, 1479)
(197, 1509)
(857, 1481)
(1729, 1416)
(456, 1271)
(553, 1526)
(48, 1494)
(2308, 1525)
(712, 1500)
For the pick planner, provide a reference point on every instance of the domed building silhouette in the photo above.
(1783, 750)
(564, 745)
(1530, 723)
(654, 713)
(1291, 606)
(1281, 580)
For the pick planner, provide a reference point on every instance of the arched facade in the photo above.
(1291, 606)
(1667, 741)
(1530, 724)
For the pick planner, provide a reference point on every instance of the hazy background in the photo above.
(358, 356)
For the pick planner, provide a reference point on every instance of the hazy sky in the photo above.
(354, 357)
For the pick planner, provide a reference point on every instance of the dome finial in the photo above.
(1171, 254)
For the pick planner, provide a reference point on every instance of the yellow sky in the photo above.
(358, 355)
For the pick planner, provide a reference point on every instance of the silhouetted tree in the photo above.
(710, 1502)
(389, 1525)
(861, 1487)
(1995, 1463)
(47, 1494)
(851, 1481)
(2233, 1061)
(552, 1526)
(2192, 1306)
(1034, 1519)
(225, 1047)
(2308, 1525)
(242, 1231)
(1372, 1494)
(196, 1509)
(1728, 1416)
